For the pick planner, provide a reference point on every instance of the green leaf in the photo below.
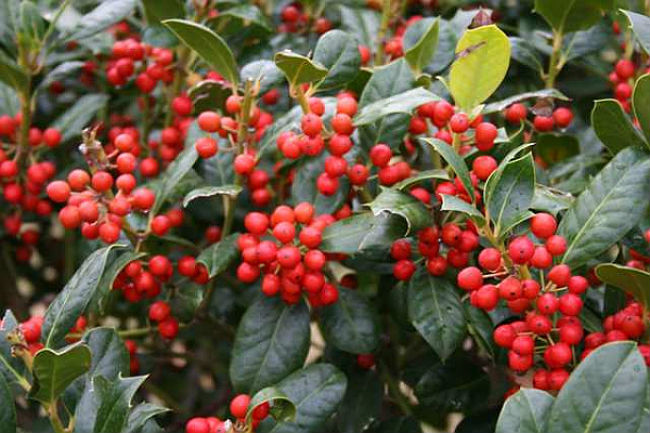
(480, 326)
(456, 162)
(102, 17)
(362, 232)
(554, 148)
(60, 71)
(420, 43)
(525, 412)
(72, 122)
(8, 408)
(299, 69)
(141, 415)
(219, 256)
(32, 25)
(640, 25)
(55, 370)
(105, 406)
(402, 103)
(498, 106)
(569, 16)
(304, 189)
(362, 23)
(282, 409)
(12, 75)
(634, 282)
(386, 81)
(550, 200)
(175, 172)
(316, 391)
(604, 394)
(350, 324)
(211, 191)
(512, 193)
(272, 341)
(395, 202)
(339, 53)
(108, 278)
(264, 71)
(641, 104)
(525, 53)
(422, 176)
(159, 10)
(208, 45)
(613, 127)
(10, 367)
(610, 206)
(362, 402)
(482, 60)
(436, 312)
(495, 177)
(75, 297)
(246, 20)
(453, 203)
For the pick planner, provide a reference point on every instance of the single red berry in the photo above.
(470, 279)
(168, 328)
(543, 225)
(239, 405)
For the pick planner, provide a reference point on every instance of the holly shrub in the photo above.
(325, 216)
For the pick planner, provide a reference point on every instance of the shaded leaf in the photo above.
(574, 15)
(362, 232)
(72, 122)
(456, 162)
(634, 282)
(8, 408)
(219, 256)
(640, 25)
(402, 103)
(453, 203)
(525, 412)
(210, 191)
(362, 402)
(102, 17)
(505, 103)
(339, 53)
(641, 104)
(263, 71)
(613, 127)
(420, 43)
(282, 409)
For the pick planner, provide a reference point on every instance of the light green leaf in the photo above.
(453, 203)
(456, 162)
(482, 60)
(613, 127)
(12, 75)
(634, 282)
(422, 176)
(299, 69)
(159, 10)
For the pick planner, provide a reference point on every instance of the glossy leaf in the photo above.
(75, 297)
(417, 216)
(211, 191)
(339, 53)
(480, 326)
(170, 179)
(102, 17)
(525, 412)
(573, 15)
(317, 391)
(641, 104)
(512, 194)
(605, 393)
(610, 207)
(160, 10)
(454, 204)
(550, 200)
(264, 71)
(497, 106)
(525, 53)
(640, 25)
(362, 402)
(422, 176)
(420, 43)
(403, 103)
(141, 415)
(272, 341)
(456, 162)
(208, 45)
(613, 127)
(299, 69)
(76, 118)
(108, 278)
(362, 232)
(362, 23)
(436, 312)
(634, 282)
(219, 256)
(55, 370)
(351, 324)
(482, 59)
(10, 366)
(282, 409)
(7, 408)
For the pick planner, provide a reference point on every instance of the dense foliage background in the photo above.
(325, 216)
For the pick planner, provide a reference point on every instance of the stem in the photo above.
(393, 389)
(57, 425)
(555, 66)
(302, 99)
(385, 20)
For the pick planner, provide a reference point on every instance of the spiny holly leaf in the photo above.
(525, 412)
(436, 312)
(633, 281)
(141, 415)
(55, 370)
(299, 69)
(565, 17)
(75, 297)
(351, 324)
(482, 60)
(208, 45)
(610, 206)
(217, 257)
(272, 341)
(282, 409)
(339, 53)
(613, 127)
(641, 104)
(405, 205)
(605, 393)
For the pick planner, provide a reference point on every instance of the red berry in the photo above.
(459, 123)
(543, 225)
(159, 311)
(403, 270)
(206, 147)
(58, 191)
(239, 405)
(168, 328)
(470, 279)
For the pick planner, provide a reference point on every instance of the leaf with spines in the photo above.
(525, 412)
(141, 415)
(613, 127)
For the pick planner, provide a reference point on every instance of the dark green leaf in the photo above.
(75, 297)
(12, 75)
(217, 257)
(497, 106)
(456, 162)
(613, 127)
(634, 282)
(420, 43)
(159, 10)
(76, 118)
(109, 276)
(263, 71)
(282, 409)
(363, 231)
(399, 425)
(176, 171)
(7, 408)
(422, 176)
(395, 202)
(553, 148)
(525, 412)
(482, 60)
(402, 103)
(574, 15)
(62, 70)
(550, 200)
(208, 45)
(453, 203)
(32, 25)
(10, 366)
(211, 191)
(605, 393)
(524, 52)
(362, 402)
(272, 341)
(641, 104)
(55, 370)
(640, 25)
(102, 17)
(436, 312)
(141, 415)
(316, 391)
(480, 326)
(242, 19)
(610, 207)
(362, 23)
(299, 69)
(350, 324)
(339, 53)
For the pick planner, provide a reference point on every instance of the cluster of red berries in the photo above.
(290, 260)
(560, 118)
(130, 57)
(622, 78)
(239, 407)
(296, 20)
(32, 327)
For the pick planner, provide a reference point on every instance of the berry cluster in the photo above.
(239, 407)
(150, 65)
(560, 118)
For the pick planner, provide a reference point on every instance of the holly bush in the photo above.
(316, 216)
